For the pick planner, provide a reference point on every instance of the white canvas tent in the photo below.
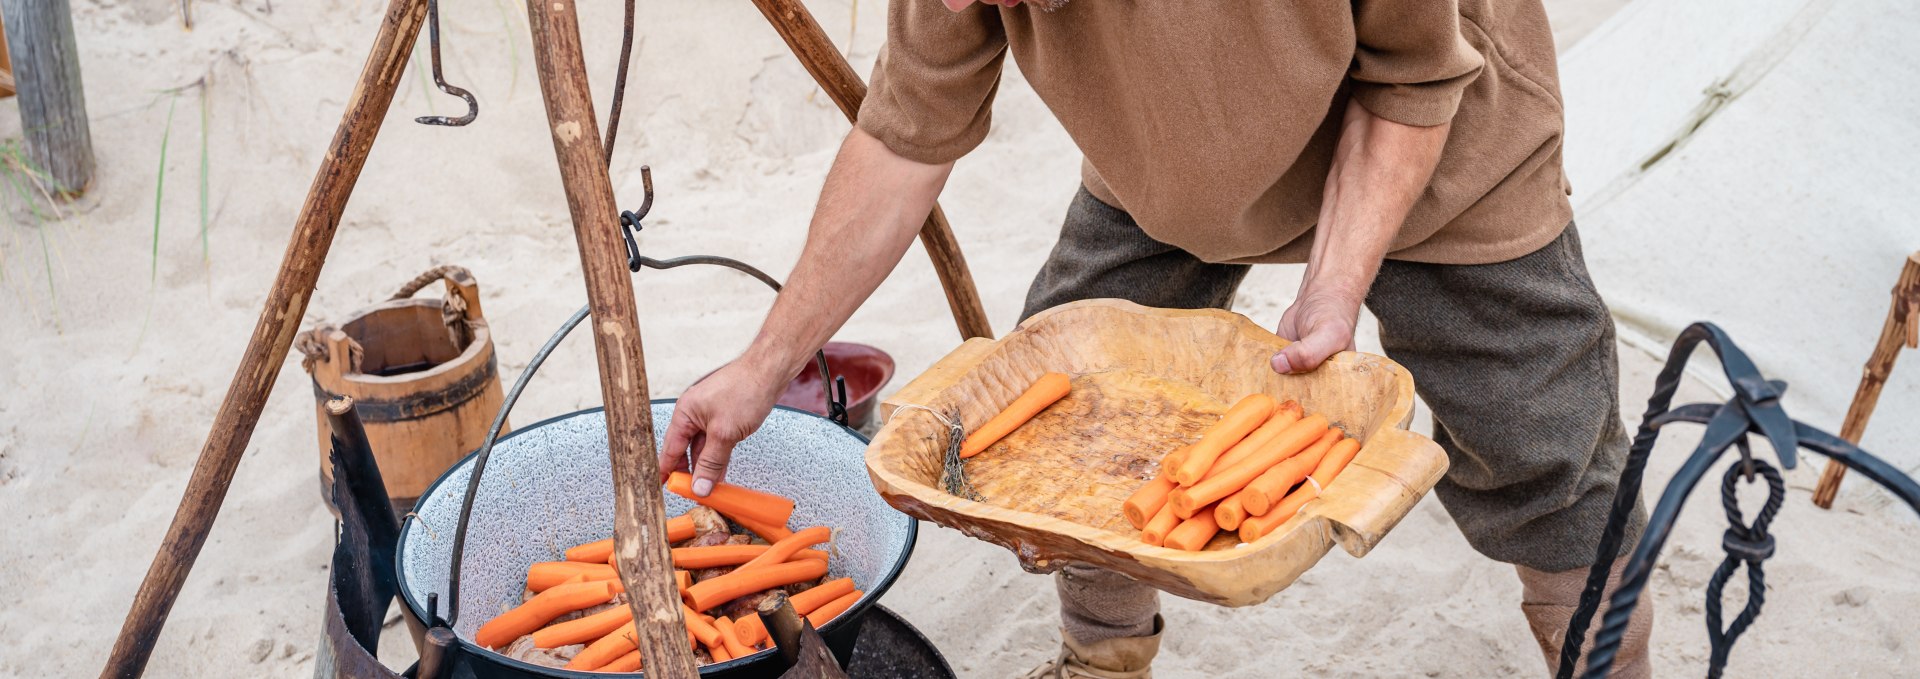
(1756, 163)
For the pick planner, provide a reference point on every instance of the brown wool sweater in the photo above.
(1214, 123)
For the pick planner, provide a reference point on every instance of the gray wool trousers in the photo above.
(1516, 360)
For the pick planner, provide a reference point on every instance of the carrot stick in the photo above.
(824, 614)
(546, 574)
(1157, 528)
(702, 629)
(791, 546)
(583, 630)
(684, 579)
(752, 631)
(715, 556)
(1231, 511)
(1225, 482)
(1172, 461)
(600, 551)
(730, 639)
(1276, 424)
(1044, 392)
(626, 663)
(735, 500)
(1148, 500)
(1192, 534)
(706, 594)
(1266, 490)
(1335, 461)
(541, 609)
(1239, 421)
(606, 650)
(771, 532)
(1256, 527)
(719, 652)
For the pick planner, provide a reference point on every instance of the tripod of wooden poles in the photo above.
(639, 512)
(1901, 329)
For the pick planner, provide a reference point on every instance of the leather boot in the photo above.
(1117, 658)
(1549, 600)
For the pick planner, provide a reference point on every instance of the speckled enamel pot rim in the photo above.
(533, 503)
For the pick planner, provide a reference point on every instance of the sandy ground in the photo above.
(122, 329)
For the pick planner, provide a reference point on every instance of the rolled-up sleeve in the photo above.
(931, 95)
(1411, 63)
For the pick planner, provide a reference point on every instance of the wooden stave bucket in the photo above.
(419, 423)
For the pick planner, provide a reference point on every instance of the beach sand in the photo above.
(122, 332)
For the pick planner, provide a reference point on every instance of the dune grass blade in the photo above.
(160, 191)
(206, 256)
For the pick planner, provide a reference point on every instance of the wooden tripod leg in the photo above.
(816, 52)
(272, 335)
(639, 514)
(1902, 328)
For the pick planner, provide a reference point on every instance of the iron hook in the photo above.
(439, 80)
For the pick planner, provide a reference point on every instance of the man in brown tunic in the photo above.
(1407, 151)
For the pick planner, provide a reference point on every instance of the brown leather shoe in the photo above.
(1119, 658)
(1549, 600)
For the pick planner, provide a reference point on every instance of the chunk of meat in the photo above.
(705, 521)
(522, 649)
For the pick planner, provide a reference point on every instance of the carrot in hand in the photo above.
(1044, 392)
(1192, 534)
(1148, 500)
(541, 609)
(791, 546)
(1240, 420)
(735, 500)
(1223, 483)
(826, 613)
(1266, 490)
(1157, 528)
(706, 594)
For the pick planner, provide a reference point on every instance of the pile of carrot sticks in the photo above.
(1250, 472)
(575, 612)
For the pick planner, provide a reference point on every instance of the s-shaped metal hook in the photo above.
(433, 41)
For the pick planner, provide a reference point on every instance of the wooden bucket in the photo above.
(422, 376)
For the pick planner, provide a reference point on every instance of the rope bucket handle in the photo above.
(459, 310)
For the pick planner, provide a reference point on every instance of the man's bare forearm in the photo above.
(872, 205)
(1379, 169)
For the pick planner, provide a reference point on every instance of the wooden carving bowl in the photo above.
(1145, 381)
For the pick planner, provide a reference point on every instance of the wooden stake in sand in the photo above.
(639, 513)
(816, 52)
(272, 335)
(45, 69)
(1901, 329)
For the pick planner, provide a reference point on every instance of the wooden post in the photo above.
(53, 108)
(272, 334)
(817, 53)
(1902, 328)
(639, 513)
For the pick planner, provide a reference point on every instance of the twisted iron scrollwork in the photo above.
(1754, 409)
